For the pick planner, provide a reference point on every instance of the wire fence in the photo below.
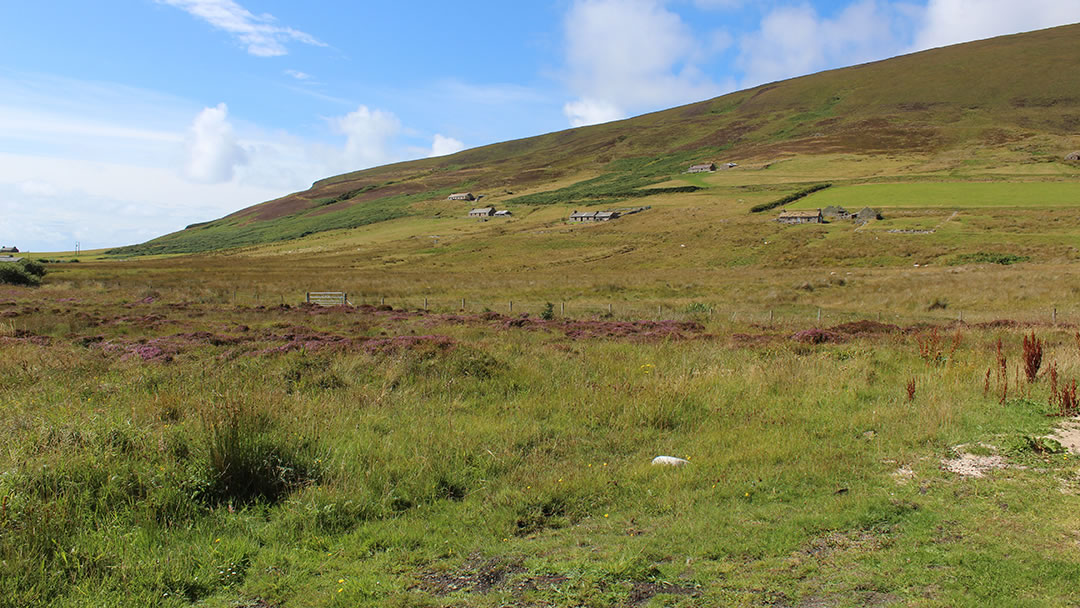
(585, 308)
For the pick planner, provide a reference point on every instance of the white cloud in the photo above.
(442, 145)
(954, 21)
(212, 150)
(629, 56)
(48, 203)
(258, 32)
(297, 74)
(369, 136)
(795, 40)
(37, 188)
(584, 112)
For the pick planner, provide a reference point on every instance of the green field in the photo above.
(946, 194)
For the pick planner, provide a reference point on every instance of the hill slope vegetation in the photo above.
(1003, 95)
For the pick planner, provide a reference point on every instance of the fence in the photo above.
(327, 298)
(710, 312)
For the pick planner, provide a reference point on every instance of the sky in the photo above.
(124, 120)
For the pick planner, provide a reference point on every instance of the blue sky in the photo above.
(124, 120)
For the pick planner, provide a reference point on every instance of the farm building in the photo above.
(705, 168)
(801, 217)
(867, 214)
(9, 250)
(1072, 156)
(593, 216)
(9, 258)
(461, 196)
(482, 212)
(503, 213)
(833, 212)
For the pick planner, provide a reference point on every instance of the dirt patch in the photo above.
(966, 464)
(476, 575)
(817, 336)
(834, 542)
(1068, 435)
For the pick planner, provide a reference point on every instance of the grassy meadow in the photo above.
(170, 441)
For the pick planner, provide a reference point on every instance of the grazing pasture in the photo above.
(960, 195)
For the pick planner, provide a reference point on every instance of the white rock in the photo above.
(669, 461)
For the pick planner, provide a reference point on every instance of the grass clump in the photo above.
(249, 460)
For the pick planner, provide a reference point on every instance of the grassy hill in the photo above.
(993, 109)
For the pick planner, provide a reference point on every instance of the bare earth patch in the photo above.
(974, 465)
(1068, 435)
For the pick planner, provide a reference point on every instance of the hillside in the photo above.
(969, 107)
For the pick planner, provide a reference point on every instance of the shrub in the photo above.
(14, 273)
(33, 267)
(548, 313)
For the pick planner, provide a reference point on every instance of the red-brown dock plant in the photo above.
(910, 390)
(1033, 356)
(1003, 371)
(930, 346)
(1065, 399)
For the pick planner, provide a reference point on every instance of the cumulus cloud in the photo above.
(212, 150)
(795, 40)
(953, 21)
(630, 55)
(259, 33)
(442, 145)
(585, 112)
(369, 136)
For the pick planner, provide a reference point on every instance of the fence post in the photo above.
(1055, 315)
(609, 308)
(562, 308)
(770, 316)
(382, 301)
(658, 310)
(425, 303)
(819, 315)
(462, 303)
(307, 297)
(511, 304)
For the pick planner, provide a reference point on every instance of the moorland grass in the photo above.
(517, 455)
